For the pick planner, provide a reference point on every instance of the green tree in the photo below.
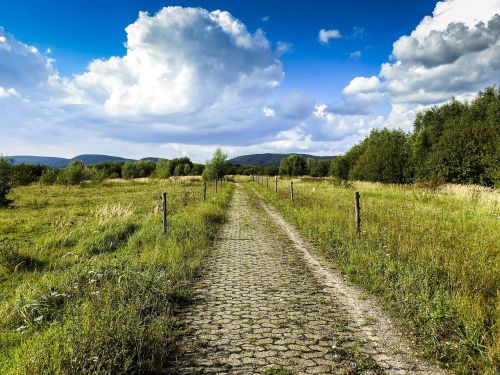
(49, 177)
(25, 174)
(214, 168)
(5, 181)
(73, 174)
(293, 165)
(318, 167)
(386, 157)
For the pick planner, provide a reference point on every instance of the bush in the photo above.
(25, 174)
(49, 177)
(73, 174)
(5, 181)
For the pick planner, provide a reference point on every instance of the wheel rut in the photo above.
(264, 304)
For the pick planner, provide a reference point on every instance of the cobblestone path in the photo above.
(259, 309)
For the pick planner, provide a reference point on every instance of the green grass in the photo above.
(88, 281)
(433, 256)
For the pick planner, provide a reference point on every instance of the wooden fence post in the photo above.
(275, 184)
(291, 190)
(164, 211)
(357, 213)
(204, 190)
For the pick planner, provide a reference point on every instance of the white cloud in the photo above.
(181, 61)
(324, 36)
(5, 93)
(268, 112)
(362, 85)
(453, 53)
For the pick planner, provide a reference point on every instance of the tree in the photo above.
(386, 157)
(214, 168)
(459, 142)
(318, 167)
(25, 174)
(341, 165)
(5, 181)
(73, 174)
(293, 165)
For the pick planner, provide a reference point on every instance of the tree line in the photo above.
(455, 142)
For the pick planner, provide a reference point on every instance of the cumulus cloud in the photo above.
(181, 60)
(324, 36)
(24, 71)
(453, 53)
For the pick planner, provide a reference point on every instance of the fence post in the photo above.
(357, 213)
(275, 184)
(164, 211)
(204, 189)
(291, 190)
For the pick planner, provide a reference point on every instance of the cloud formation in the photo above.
(453, 53)
(192, 79)
(324, 36)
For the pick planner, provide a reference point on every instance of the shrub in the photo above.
(5, 181)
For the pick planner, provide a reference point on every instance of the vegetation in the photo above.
(456, 142)
(138, 169)
(90, 284)
(293, 165)
(5, 181)
(215, 167)
(429, 251)
(177, 167)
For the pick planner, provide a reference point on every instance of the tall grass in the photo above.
(433, 256)
(101, 284)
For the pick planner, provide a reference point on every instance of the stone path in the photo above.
(259, 308)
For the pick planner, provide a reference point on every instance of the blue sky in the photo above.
(283, 89)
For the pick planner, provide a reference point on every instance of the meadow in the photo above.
(88, 280)
(430, 252)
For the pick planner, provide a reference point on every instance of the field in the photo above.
(431, 253)
(88, 280)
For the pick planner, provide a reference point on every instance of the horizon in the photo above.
(185, 77)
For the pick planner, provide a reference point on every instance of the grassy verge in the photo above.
(88, 281)
(432, 255)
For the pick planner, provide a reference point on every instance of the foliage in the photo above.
(430, 252)
(460, 142)
(49, 176)
(138, 169)
(456, 142)
(175, 167)
(73, 174)
(293, 165)
(385, 157)
(25, 174)
(5, 181)
(318, 167)
(215, 167)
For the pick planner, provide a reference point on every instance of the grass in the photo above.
(432, 255)
(88, 281)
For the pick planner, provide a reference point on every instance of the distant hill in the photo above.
(92, 159)
(270, 159)
(54, 162)
(49, 161)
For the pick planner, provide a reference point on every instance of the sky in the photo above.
(171, 78)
